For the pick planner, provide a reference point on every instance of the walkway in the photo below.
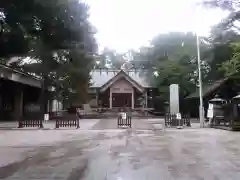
(116, 154)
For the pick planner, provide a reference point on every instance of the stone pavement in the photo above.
(119, 154)
(112, 124)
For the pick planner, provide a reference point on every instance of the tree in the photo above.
(175, 72)
(232, 20)
(111, 59)
(55, 31)
(223, 36)
(175, 48)
(232, 66)
(221, 51)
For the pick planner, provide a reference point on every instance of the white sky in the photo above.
(129, 24)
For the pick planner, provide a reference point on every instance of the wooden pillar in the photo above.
(146, 99)
(97, 98)
(133, 99)
(50, 104)
(110, 99)
(18, 104)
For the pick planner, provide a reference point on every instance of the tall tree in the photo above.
(52, 30)
(177, 47)
(220, 52)
(232, 66)
(223, 36)
(173, 60)
(233, 6)
(111, 59)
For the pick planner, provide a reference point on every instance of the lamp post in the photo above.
(201, 109)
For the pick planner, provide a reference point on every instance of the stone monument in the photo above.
(174, 98)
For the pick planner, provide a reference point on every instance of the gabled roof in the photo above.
(102, 76)
(121, 74)
(208, 89)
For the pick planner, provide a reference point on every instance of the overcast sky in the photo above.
(129, 24)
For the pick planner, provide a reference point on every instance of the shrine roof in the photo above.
(100, 77)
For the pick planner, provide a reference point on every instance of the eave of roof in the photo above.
(208, 89)
(18, 72)
(99, 77)
(119, 75)
(11, 74)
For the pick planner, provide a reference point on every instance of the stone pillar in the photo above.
(174, 98)
(110, 99)
(18, 104)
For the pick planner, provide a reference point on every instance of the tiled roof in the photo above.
(101, 77)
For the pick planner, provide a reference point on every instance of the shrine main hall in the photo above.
(111, 88)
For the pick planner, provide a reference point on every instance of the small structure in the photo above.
(217, 109)
(120, 88)
(227, 115)
(226, 88)
(19, 95)
(232, 114)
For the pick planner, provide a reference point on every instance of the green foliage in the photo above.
(232, 66)
(224, 40)
(173, 44)
(174, 57)
(56, 34)
(221, 51)
(233, 7)
(111, 59)
(175, 72)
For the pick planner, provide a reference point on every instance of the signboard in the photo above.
(46, 117)
(210, 113)
(179, 116)
(124, 115)
(210, 106)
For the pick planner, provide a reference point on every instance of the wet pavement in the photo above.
(103, 153)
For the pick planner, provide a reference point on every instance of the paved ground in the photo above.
(136, 154)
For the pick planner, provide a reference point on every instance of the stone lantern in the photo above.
(215, 110)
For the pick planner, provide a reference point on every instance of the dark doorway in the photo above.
(121, 100)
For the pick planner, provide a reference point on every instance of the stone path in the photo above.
(117, 154)
(112, 124)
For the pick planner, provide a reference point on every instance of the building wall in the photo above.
(104, 98)
(56, 106)
(18, 100)
(121, 86)
(137, 100)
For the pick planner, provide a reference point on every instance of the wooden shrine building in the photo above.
(121, 88)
